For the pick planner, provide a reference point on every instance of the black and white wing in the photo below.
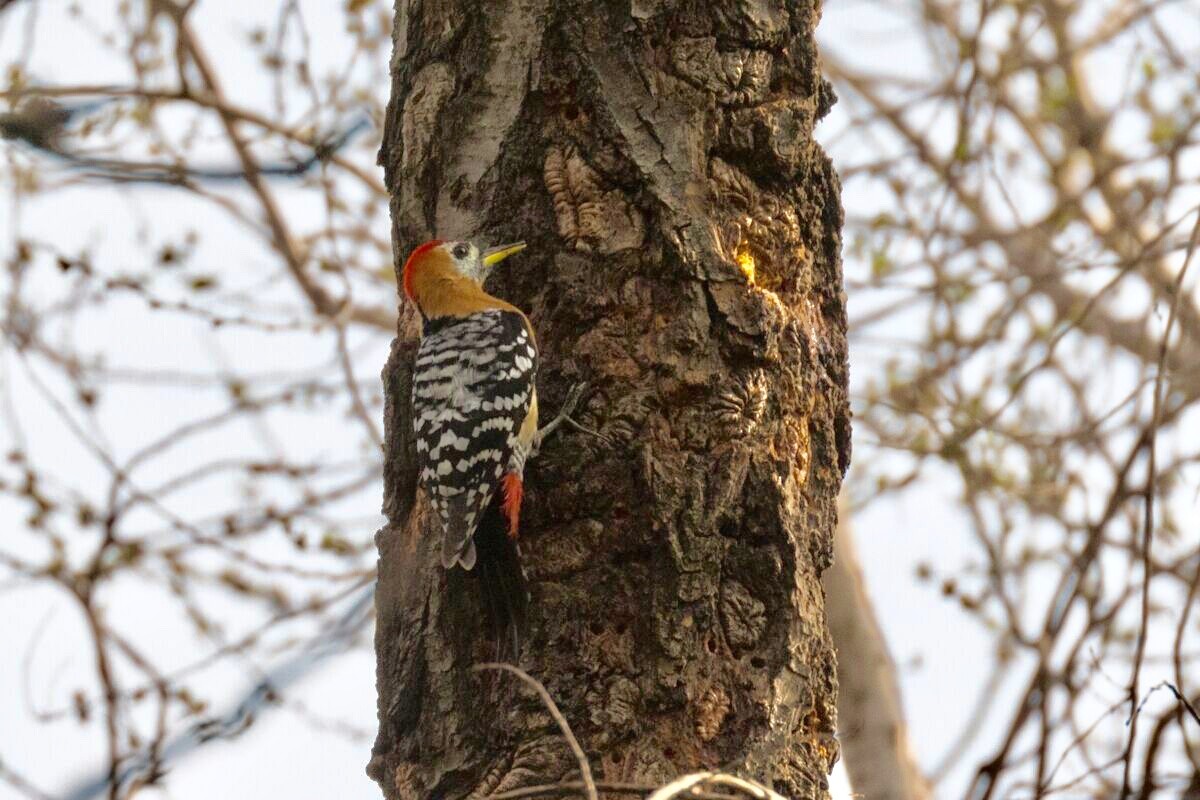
(473, 386)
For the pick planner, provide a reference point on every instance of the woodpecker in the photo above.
(474, 393)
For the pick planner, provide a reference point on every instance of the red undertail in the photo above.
(513, 491)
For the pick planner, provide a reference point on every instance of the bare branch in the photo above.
(585, 770)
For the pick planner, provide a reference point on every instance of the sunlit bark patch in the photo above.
(745, 262)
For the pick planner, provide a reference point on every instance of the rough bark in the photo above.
(871, 727)
(654, 154)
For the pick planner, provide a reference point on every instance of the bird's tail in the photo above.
(503, 589)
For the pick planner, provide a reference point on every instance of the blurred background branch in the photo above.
(1028, 182)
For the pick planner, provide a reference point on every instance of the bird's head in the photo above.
(438, 264)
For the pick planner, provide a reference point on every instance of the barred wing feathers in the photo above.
(473, 386)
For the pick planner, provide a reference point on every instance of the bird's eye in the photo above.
(461, 250)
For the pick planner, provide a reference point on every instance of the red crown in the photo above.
(412, 260)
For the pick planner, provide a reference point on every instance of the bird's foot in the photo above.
(564, 415)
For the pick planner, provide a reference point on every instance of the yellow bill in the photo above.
(494, 255)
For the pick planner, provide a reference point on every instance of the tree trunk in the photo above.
(871, 723)
(683, 232)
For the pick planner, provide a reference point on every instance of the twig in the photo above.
(112, 708)
(356, 401)
(42, 135)
(13, 779)
(694, 786)
(585, 771)
(1148, 519)
(548, 789)
(565, 787)
(327, 151)
(239, 716)
(686, 786)
(1183, 701)
(321, 302)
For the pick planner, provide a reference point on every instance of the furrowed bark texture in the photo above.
(683, 259)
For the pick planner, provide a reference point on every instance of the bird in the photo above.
(474, 408)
